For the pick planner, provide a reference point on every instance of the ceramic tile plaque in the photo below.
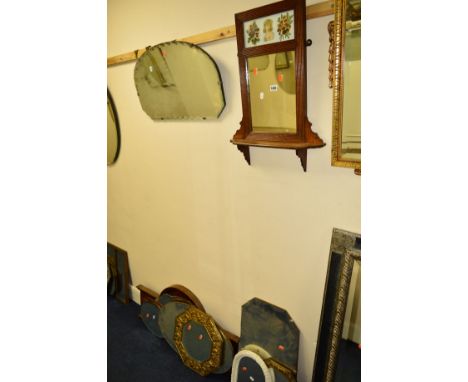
(269, 29)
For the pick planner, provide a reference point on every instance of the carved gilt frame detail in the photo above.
(336, 30)
(213, 362)
(350, 255)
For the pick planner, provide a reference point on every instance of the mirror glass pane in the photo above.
(178, 80)
(272, 90)
(113, 135)
(348, 367)
(351, 130)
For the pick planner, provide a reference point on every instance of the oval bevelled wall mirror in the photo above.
(113, 131)
(178, 80)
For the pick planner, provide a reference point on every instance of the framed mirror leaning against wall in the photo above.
(345, 79)
(338, 354)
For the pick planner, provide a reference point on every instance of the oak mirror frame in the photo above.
(345, 79)
(273, 38)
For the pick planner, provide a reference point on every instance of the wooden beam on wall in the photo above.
(320, 9)
(312, 11)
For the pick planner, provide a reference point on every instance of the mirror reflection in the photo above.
(348, 363)
(113, 132)
(351, 130)
(272, 90)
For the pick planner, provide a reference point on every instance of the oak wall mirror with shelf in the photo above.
(271, 42)
(345, 79)
(338, 354)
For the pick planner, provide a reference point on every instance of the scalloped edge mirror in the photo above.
(345, 79)
(178, 80)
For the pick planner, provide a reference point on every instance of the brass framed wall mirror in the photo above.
(345, 79)
(271, 42)
(338, 354)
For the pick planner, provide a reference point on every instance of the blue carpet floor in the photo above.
(135, 355)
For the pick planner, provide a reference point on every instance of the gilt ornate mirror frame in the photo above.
(336, 30)
(303, 138)
(344, 251)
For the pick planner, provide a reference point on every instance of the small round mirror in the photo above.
(113, 131)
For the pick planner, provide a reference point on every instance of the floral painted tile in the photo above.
(253, 33)
(269, 29)
(284, 26)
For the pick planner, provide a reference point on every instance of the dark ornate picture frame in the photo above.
(344, 250)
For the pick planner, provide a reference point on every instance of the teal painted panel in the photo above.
(271, 328)
(150, 315)
(167, 317)
(249, 371)
(196, 341)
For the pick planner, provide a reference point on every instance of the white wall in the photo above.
(186, 206)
